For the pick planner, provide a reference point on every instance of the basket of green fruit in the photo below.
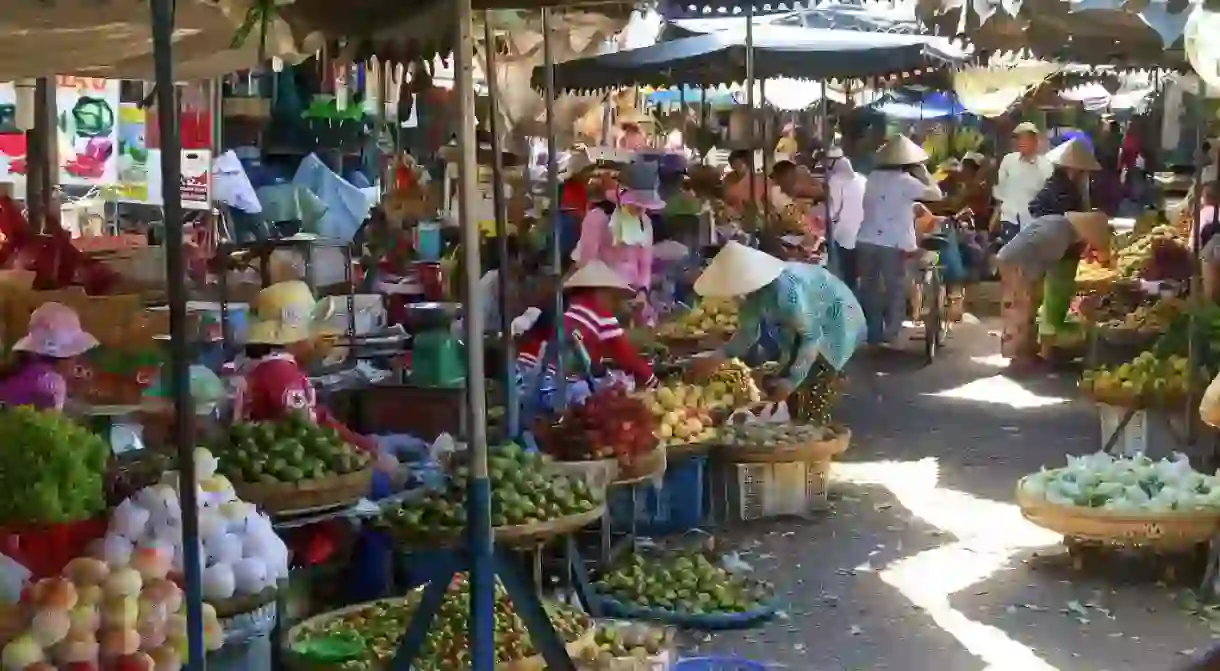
(686, 589)
(529, 502)
(293, 466)
(366, 637)
(629, 646)
(764, 442)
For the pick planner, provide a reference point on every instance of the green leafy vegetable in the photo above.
(51, 469)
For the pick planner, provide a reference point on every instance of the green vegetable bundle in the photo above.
(53, 469)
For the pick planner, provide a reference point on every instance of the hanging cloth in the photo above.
(628, 230)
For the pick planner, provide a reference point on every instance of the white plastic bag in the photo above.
(13, 577)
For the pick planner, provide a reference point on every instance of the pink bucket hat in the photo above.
(638, 184)
(55, 332)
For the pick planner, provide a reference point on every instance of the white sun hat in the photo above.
(738, 270)
(1074, 154)
(900, 150)
(597, 275)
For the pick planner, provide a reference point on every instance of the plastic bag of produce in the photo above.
(13, 577)
(1209, 407)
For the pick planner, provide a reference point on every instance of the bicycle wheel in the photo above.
(946, 314)
(932, 316)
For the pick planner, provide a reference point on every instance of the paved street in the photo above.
(925, 564)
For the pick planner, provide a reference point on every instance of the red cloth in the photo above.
(574, 197)
(1131, 150)
(600, 333)
(54, 260)
(275, 386)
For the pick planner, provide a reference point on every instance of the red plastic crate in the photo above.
(46, 548)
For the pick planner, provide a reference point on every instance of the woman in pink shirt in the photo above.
(44, 358)
(619, 233)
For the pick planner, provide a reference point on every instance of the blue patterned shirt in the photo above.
(813, 313)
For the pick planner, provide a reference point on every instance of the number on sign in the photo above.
(81, 83)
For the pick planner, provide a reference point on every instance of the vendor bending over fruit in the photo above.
(591, 294)
(817, 320)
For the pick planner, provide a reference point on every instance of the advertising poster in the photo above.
(139, 163)
(88, 122)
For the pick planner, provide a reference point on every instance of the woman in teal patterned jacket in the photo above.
(818, 320)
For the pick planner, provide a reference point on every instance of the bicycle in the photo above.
(937, 314)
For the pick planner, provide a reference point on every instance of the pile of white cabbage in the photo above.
(1136, 484)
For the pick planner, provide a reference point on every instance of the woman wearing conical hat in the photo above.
(816, 319)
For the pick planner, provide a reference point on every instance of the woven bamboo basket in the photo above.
(298, 662)
(240, 605)
(1171, 530)
(647, 467)
(520, 534)
(307, 495)
(814, 451)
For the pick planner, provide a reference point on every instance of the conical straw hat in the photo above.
(738, 270)
(596, 275)
(900, 150)
(1074, 154)
(1093, 228)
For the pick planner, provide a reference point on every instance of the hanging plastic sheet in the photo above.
(346, 205)
(990, 91)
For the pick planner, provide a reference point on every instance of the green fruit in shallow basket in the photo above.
(292, 450)
(381, 625)
(686, 583)
(522, 492)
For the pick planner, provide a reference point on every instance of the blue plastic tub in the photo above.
(676, 507)
(717, 664)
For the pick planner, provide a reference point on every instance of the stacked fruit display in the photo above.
(774, 435)
(523, 492)
(610, 424)
(684, 411)
(54, 469)
(98, 616)
(685, 583)
(1148, 318)
(1147, 379)
(621, 646)
(286, 452)
(242, 554)
(1162, 254)
(738, 381)
(1093, 273)
(374, 630)
(710, 317)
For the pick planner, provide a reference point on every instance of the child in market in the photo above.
(44, 357)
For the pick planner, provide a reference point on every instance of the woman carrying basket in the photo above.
(818, 323)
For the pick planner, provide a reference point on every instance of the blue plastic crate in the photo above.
(717, 664)
(676, 507)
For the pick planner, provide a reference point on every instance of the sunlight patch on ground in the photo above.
(993, 360)
(987, 534)
(1001, 390)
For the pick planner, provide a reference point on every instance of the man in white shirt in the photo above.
(1021, 176)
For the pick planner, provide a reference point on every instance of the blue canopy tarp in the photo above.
(915, 107)
(779, 51)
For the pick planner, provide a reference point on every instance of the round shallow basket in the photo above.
(609, 607)
(241, 605)
(295, 661)
(648, 467)
(687, 346)
(1172, 530)
(673, 452)
(594, 471)
(1130, 401)
(308, 495)
(814, 451)
(520, 534)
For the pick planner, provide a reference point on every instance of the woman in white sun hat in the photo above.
(817, 320)
(887, 238)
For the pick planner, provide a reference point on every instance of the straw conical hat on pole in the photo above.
(596, 275)
(738, 270)
(1074, 154)
(900, 150)
(1093, 228)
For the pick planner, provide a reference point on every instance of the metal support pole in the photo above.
(552, 192)
(512, 405)
(1197, 299)
(750, 100)
(179, 346)
(831, 256)
(478, 503)
(767, 154)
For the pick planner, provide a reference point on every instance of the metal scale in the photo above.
(437, 354)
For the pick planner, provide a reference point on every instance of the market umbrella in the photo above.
(906, 107)
(780, 51)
